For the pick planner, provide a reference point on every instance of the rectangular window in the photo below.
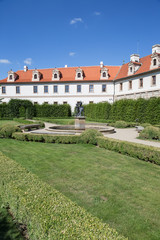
(55, 103)
(45, 89)
(35, 89)
(35, 103)
(141, 82)
(130, 84)
(91, 88)
(78, 88)
(104, 88)
(121, 86)
(45, 102)
(153, 80)
(55, 89)
(90, 102)
(66, 88)
(64, 102)
(3, 90)
(17, 89)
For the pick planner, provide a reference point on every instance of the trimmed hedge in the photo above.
(67, 139)
(144, 110)
(47, 213)
(142, 152)
(97, 110)
(24, 108)
(52, 110)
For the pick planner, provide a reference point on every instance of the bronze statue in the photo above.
(79, 109)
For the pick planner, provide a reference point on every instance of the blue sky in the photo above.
(52, 33)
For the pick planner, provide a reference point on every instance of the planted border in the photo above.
(47, 213)
(142, 152)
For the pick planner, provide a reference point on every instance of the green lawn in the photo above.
(122, 191)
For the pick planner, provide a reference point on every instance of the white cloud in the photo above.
(97, 13)
(75, 20)
(28, 61)
(5, 61)
(72, 54)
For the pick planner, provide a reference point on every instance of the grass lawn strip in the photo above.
(47, 213)
(122, 191)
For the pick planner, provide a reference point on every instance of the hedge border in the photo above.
(47, 213)
(140, 151)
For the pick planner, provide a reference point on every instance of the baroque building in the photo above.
(138, 78)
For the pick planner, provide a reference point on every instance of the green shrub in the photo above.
(145, 125)
(90, 136)
(47, 213)
(47, 138)
(7, 130)
(123, 124)
(150, 132)
(142, 152)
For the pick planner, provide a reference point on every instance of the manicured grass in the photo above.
(120, 190)
(61, 121)
(14, 122)
(8, 229)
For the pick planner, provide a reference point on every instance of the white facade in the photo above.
(142, 86)
(91, 92)
(138, 78)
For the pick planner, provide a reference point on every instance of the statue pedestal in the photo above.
(80, 123)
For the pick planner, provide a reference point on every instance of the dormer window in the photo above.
(79, 74)
(134, 64)
(11, 76)
(154, 62)
(104, 73)
(36, 75)
(56, 74)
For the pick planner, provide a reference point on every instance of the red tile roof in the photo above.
(91, 73)
(145, 67)
(67, 74)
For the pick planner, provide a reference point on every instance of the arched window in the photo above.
(55, 75)
(154, 62)
(10, 77)
(79, 75)
(35, 76)
(104, 74)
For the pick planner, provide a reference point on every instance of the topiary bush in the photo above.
(7, 130)
(150, 132)
(90, 136)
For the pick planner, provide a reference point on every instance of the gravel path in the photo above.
(130, 135)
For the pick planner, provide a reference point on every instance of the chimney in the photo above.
(25, 68)
(101, 64)
(134, 58)
(66, 66)
(156, 48)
